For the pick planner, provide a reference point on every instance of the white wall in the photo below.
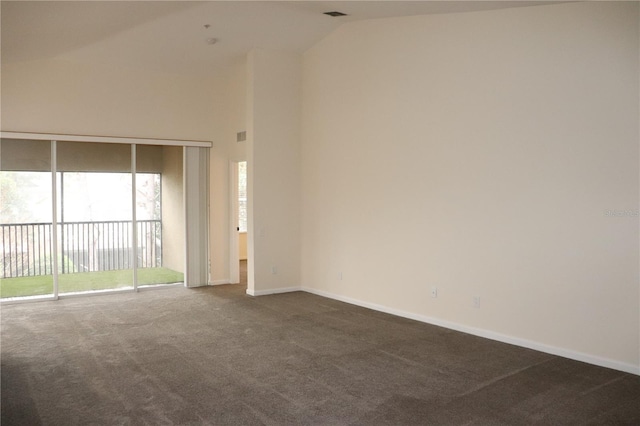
(58, 96)
(478, 153)
(273, 171)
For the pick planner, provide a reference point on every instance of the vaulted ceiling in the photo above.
(175, 36)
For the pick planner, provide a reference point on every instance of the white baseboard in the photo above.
(272, 291)
(220, 282)
(553, 350)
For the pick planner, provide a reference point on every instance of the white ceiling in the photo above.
(171, 35)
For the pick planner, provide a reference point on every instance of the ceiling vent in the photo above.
(335, 13)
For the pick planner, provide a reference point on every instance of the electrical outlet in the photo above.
(476, 302)
(274, 270)
(340, 276)
(434, 292)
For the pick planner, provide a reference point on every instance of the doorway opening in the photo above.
(238, 246)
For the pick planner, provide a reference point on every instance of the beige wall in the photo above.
(58, 96)
(273, 171)
(172, 209)
(479, 153)
(242, 245)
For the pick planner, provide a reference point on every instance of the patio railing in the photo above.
(26, 248)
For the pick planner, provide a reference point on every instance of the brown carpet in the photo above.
(217, 356)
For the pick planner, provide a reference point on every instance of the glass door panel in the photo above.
(26, 256)
(95, 219)
(159, 215)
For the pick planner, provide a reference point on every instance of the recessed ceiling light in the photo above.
(212, 40)
(335, 13)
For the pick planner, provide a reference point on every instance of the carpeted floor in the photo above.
(217, 356)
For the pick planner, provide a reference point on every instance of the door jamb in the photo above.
(234, 255)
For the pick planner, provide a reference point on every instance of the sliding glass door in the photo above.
(93, 216)
(26, 224)
(159, 215)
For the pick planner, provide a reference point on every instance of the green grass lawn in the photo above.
(86, 281)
